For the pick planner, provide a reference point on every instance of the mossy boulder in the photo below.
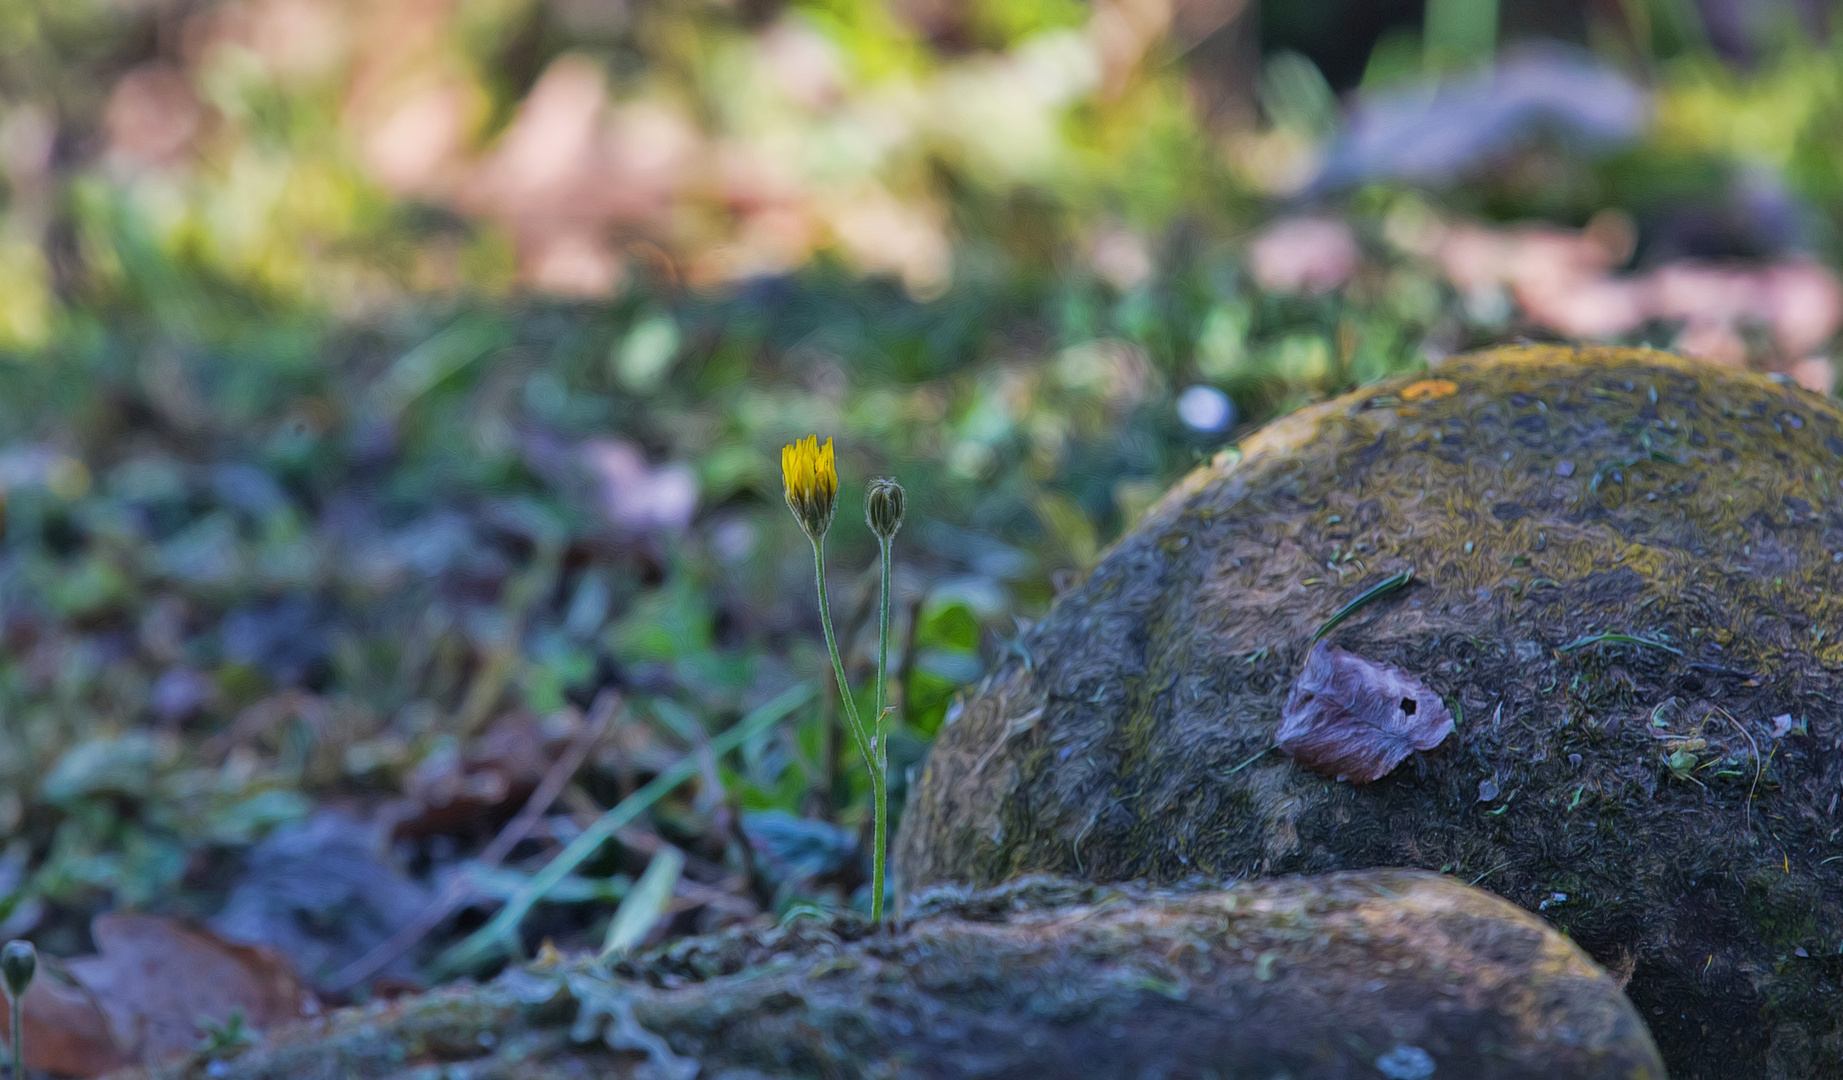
(1382, 974)
(1627, 570)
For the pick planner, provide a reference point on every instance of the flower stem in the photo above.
(852, 723)
(17, 1007)
(880, 770)
(859, 735)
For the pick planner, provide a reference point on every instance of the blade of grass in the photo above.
(1618, 639)
(1381, 589)
(643, 905)
(1251, 760)
(500, 934)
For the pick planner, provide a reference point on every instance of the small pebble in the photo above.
(1406, 1063)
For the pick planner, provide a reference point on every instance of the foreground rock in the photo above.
(1627, 570)
(1387, 974)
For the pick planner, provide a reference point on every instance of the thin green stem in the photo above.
(852, 721)
(17, 1007)
(858, 733)
(880, 769)
(883, 648)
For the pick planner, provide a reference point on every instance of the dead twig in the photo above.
(1759, 765)
(266, 714)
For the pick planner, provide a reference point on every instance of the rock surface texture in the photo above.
(1390, 974)
(1627, 571)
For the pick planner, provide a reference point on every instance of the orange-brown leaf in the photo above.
(66, 1030)
(157, 981)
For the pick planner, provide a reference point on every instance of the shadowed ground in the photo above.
(1626, 587)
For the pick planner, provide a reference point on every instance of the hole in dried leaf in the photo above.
(1407, 705)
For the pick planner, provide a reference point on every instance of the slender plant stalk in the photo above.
(880, 770)
(852, 721)
(18, 1008)
(809, 475)
(858, 733)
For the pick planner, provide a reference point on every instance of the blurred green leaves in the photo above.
(320, 460)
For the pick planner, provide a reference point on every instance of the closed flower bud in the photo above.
(18, 963)
(883, 507)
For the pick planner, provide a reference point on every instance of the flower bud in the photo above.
(18, 963)
(883, 507)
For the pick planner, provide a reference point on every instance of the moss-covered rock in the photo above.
(1627, 574)
(1384, 974)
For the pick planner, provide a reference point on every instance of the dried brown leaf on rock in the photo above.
(67, 1032)
(1354, 718)
(158, 980)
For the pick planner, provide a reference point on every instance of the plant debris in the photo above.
(158, 981)
(1619, 639)
(1383, 588)
(1356, 719)
(157, 989)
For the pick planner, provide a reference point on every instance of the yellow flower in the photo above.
(810, 475)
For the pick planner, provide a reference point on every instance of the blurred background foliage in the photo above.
(382, 380)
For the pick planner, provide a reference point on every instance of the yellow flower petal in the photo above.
(809, 473)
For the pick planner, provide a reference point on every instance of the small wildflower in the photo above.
(809, 473)
(883, 507)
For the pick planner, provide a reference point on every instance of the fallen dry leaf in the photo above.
(1428, 388)
(157, 980)
(66, 1031)
(322, 894)
(1357, 719)
(1303, 255)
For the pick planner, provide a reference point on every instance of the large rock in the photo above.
(1670, 802)
(1390, 974)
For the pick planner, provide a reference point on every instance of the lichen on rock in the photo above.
(1626, 564)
